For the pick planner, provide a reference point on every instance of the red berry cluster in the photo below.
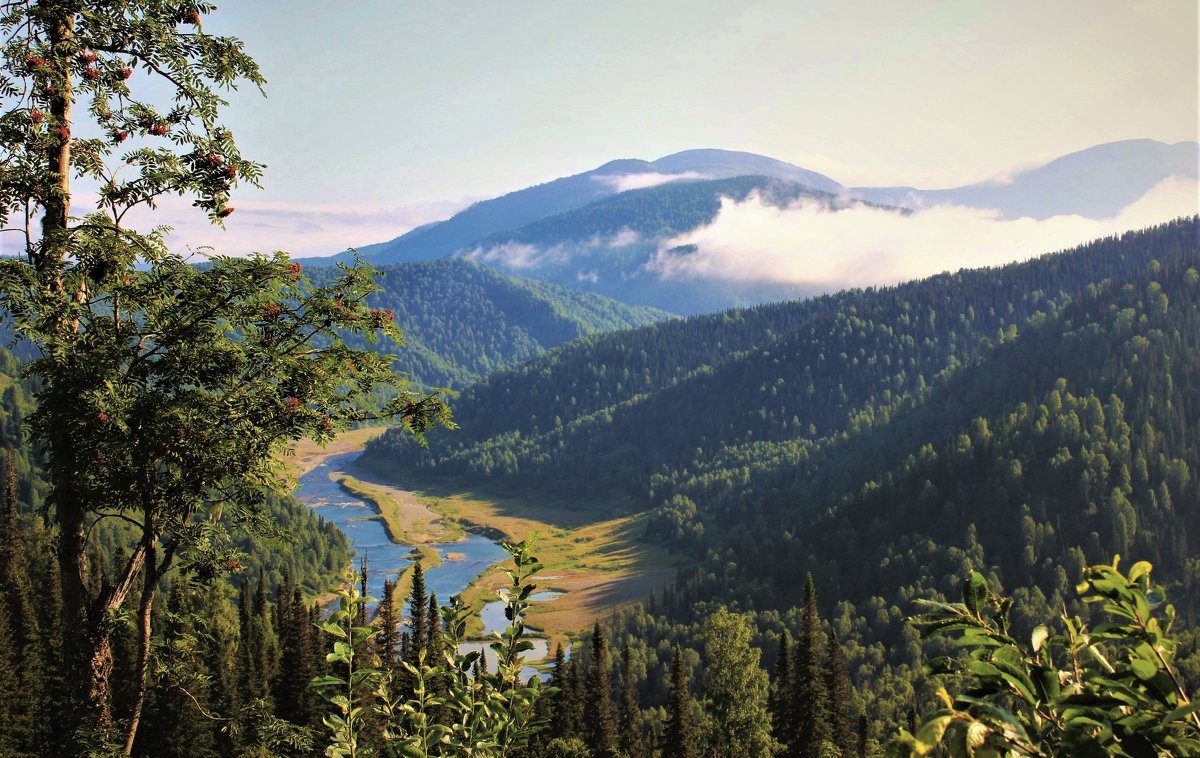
(291, 403)
(63, 133)
(87, 56)
(158, 130)
(36, 116)
(103, 417)
(119, 136)
(35, 61)
(272, 310)
(294, 269)
(126, 72)
(226, 211)
(91, 72)
(193, 18)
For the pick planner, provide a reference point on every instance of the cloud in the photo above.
(514, 255)
(520, 255)
(301, 229)
(623, 182)
(808, 244)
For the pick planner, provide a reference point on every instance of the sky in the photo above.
(381, 115)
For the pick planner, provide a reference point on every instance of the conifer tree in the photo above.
(578, 696)
(551, 708)
(387, 642)
(418, 623)
(809, 700)
(679, 739)
(28, 724)
(599, 716)
(840, 698)
(631, 710)
(781, 691)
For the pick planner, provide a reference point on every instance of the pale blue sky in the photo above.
(378, 112)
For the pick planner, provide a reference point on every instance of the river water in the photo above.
(462, 561)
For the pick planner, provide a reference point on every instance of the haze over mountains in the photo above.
(705, 229)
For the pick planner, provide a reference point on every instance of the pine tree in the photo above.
(631, 710)
(809, 699)
(679, 739)
(841, 698)
(599, 717)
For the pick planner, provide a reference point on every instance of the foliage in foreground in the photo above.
(1110, 689)
(450, 706)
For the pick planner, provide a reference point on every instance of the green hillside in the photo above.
(622, 409)
(463, 321)
(1024, 421)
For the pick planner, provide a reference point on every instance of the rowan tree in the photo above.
(167, 391)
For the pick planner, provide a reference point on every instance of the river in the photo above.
(462, 561)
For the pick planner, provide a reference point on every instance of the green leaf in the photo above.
(1143, 669)
(931, 732)
(1040, 634)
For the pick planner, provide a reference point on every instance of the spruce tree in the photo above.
(679, 739)
(32, 701)
(562, 722)
(600, 722)
(631, 710)
(418, 626)
(809, 700)
(781, 691)
(387, 642)
(840, 698)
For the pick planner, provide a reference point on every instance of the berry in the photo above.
(35, 61)
(158, 130)
(224, 212)
(230, 172)
(272, 309)
(63, 133)
(291, 403)
(91, 73)
(119, 136)
(126, 72)
(295, 268)
(87, 57)
(103, 417)
(36, 116)
(193, 18)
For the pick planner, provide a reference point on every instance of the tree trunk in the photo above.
(149, 584)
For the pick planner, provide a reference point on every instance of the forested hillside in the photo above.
(463, 321)
(1025, 421)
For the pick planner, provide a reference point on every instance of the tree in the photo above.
(631, 710)
(809, 700)
(679, 739)
(840, 699)
(1111, 689)
(735, 690)
(599, 716)
(780, 703)
(165, 390)
(388, 641)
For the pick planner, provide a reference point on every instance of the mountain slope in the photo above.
(1095, 183)
(516, 209)
(614, 246)
(1039, 416)
(462, 321)
(619, 409)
